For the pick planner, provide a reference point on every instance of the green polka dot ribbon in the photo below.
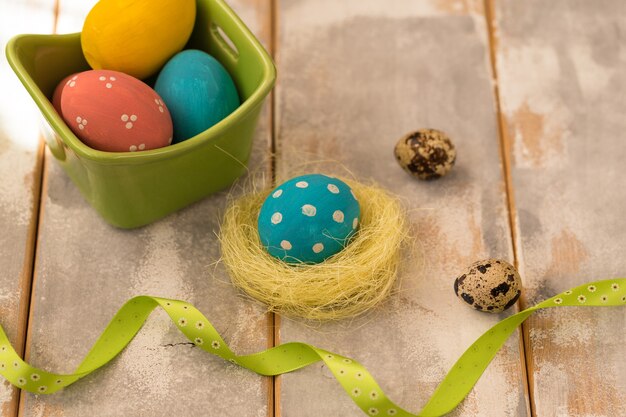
(353, 377)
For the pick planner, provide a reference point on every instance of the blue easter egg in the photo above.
(308, 218)
(198, 92)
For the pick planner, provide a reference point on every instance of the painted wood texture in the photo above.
(356, 76)
(20, 169)
(85, 271)
(563, 94)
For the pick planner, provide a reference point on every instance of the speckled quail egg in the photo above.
(426, 153)
(492, 285)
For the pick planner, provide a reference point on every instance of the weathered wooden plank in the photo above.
(87, 269)
(20, 173)
(355, 76)
(563, 95)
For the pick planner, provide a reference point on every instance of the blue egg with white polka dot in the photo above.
(308, 219)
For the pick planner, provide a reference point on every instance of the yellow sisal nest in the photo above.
(344, 285)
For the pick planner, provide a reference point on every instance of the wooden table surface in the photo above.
(532, 92)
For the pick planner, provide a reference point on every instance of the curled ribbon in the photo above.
(352, 376)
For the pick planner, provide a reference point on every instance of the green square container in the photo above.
(133, 189)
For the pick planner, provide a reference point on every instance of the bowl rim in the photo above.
(189, 145)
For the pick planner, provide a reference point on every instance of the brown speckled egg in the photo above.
(492, 285)
(426, 154)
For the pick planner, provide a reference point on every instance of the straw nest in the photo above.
(345, 285)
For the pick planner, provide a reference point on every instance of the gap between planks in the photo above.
(43, 185)
(274, 319)
(505, 155)
(30, 256)
(28, 269)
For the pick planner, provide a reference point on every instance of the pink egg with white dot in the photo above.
(56, 98)
(112, 111)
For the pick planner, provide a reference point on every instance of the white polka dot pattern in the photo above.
(310, 213)
(126, 118)
(117, 94)
(309, 210)
(351, 375)
(277, 218)
(81, 122)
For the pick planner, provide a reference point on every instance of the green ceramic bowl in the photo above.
(133, 189)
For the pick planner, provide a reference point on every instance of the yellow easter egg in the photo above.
(136, 37)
